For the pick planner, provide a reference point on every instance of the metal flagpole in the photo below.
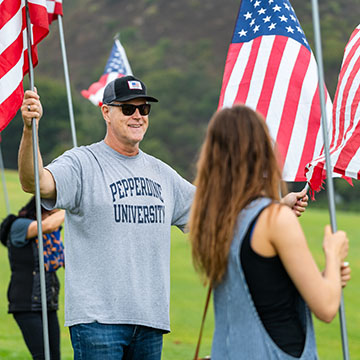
(329, 181)
(3, 181)
(67, 81)
(37, 197)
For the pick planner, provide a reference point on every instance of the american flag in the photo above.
(345, 129)
(116, 66)
(14, 62)
(54, 8)
(270, 67)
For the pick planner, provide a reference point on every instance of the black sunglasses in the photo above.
(129, 109)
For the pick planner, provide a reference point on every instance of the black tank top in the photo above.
(274, 296)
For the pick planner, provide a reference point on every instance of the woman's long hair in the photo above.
(236, 165)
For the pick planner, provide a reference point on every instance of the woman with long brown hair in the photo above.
(252, 250)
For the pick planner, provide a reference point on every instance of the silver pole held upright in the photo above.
(37, 199)
(329, 181)
(7, 203)
(67, 81)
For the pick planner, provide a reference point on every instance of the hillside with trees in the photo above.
(177, 47)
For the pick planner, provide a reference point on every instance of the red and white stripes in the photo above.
(54, 8)
(277, 76)
(345, 127)
(13, 50)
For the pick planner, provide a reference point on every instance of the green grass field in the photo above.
(188, 294)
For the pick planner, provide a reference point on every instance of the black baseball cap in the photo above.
(124, 89)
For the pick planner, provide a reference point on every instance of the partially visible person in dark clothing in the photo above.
(19, 235)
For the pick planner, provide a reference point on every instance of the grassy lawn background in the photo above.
(188, 294)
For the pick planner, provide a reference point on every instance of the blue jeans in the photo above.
(105, 341)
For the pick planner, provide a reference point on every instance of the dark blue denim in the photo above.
(106, 341)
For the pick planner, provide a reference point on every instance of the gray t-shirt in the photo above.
(119, 212)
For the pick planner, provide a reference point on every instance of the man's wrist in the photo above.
(27, 128)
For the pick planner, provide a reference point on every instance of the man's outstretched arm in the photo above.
(31, 108)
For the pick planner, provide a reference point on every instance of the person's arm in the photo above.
(321, 291)
(31, 108)
(49, 224)
(297, 201)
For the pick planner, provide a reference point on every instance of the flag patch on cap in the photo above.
(134, 85)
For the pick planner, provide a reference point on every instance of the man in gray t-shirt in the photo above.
(120, 205)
